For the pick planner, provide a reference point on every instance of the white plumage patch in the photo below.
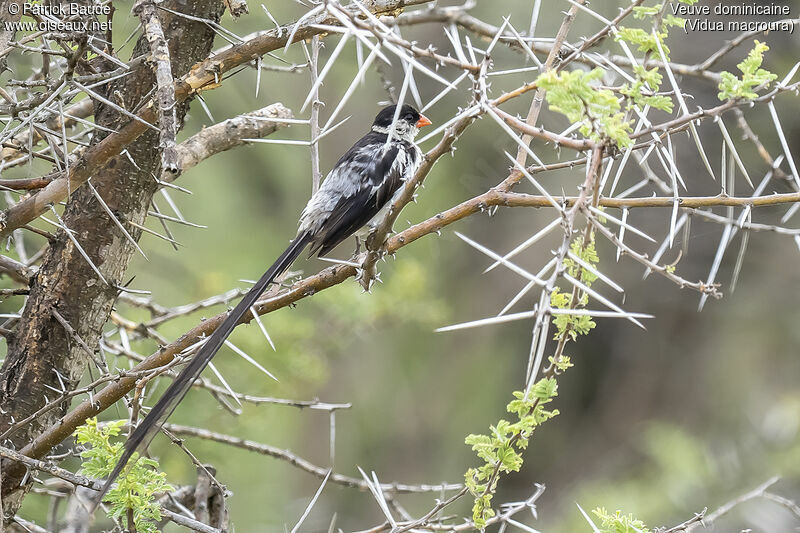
(361, 186)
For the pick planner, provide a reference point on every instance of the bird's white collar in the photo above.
(408, 135)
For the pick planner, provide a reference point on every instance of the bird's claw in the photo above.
(368, 273)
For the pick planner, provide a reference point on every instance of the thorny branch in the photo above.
(299, 462)
(165, 93)
(228, 134)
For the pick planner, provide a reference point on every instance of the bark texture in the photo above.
(42, 352)
(6, 35)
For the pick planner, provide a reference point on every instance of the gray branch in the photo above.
(228, 134)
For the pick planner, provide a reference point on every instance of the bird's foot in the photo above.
(367, 274)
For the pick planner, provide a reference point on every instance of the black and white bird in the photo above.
(354, 194)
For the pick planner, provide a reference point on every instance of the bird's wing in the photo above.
(365, 179)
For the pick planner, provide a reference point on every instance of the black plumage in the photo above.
(363, 181)
(385, 116)
(379, 178)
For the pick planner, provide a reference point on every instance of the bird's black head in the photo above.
(407, 114)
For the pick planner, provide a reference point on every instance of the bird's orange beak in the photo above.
(423, 121)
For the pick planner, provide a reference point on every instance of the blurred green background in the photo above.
(661, 423)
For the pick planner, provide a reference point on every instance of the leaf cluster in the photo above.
(575, 94)
(575, 325)
(647, 81)
(500, 449)
(598, 110)
(618, 523)
(644, 40)
(731, 87)
(136, 486)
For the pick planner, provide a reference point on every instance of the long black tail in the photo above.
(147, 429)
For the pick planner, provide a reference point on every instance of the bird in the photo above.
(355, 194)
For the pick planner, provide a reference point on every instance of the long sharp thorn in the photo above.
(115, 219)
(784, 144)
(734, 151)
(600, 298)
(249, 359)
(257, 318)
(224, 383)
(311, 503)
(334, 55)
(529, 242)
(723, 245)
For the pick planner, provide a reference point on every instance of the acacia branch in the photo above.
(15, 150)
(530, 200)
(50, 468)
(459, 16)
(541, 133)
(16, 270)
(226, 135)
(709, 519)
(165, 92)
(206, 143)
(299, 462)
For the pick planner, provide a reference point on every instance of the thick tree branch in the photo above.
(165, 92)
(226, 135)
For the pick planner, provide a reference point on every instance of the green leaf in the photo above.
(647, 81)
(618, 523)
(562, 363)
(545, 389)
(672, 20)
(138, 484)
(510, 460)
(482, 510)
(575, 95)
(645, 41)
(731, 87)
